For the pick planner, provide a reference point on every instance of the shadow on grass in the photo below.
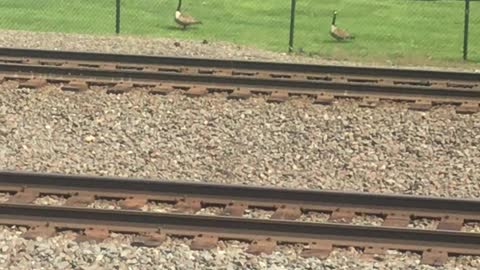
(178, 28)
(332, 41)
(171, 27)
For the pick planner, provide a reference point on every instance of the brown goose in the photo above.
(184, 19)
(338, 33)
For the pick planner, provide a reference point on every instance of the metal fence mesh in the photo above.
(412, 30)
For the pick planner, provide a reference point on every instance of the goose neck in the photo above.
(179, 5)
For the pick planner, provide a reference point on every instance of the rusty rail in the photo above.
(397, 210)
(238, 64)
(264, 235)
(436, 245)
(241, 79)
(292, 86)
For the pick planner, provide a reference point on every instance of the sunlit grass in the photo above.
(401, 31)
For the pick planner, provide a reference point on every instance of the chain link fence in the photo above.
(409, 31)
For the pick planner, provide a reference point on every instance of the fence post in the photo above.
(117, 20)
(292, 25)
(465, 30)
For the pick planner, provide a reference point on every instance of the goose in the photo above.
(184, 19)
(338, 33)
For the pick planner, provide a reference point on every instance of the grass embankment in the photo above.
(401, 31)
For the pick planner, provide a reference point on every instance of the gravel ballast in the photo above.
(298, 145)
(63, 252)
(387, 149)
(212, 139)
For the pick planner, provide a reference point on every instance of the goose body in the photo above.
(184, 19)
(338, 33)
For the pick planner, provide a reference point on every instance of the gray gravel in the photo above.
(158, 207)
(343, 147)
(50, 200)
(258, 213)
(471, 227)
(314, 217)
(368, 220)
(4, 197)
(388, 149)
(210, 211)
(424, 223)
(105, 204)
(62, 252)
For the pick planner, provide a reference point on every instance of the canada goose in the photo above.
(338, 33)
(184, 19)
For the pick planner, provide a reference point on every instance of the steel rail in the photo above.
(238, 64)
(404, 207)
(241, 228)
(292, 86)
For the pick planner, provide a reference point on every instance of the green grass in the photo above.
(400, 31)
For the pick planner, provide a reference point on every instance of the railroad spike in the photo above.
(186, 205)
(468, 108)
(108, 66)
(278, 97)
(34, 83)
(236, 209)
(434, 257)
(120, 88)
(396, 220)
(370, 252)
(324, 99)
(369, 102)
(318, 249)
(197, 91)
(24, 196)
(203, 241)
(451, 223)
(265, 246)
(43, 231)
(421, 105)
(133, 202)
(18, 78)
(240, 93)
(223, 72)
(151, 239)
(287, 212)
(163, 89)
(75, 86)
(80, 199)
(96, 234)
(342, 215)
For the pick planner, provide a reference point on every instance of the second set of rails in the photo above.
(240, 79)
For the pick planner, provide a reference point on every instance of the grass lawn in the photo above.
(401, 31)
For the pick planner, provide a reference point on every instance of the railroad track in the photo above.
(263, 234)
(240, 79)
